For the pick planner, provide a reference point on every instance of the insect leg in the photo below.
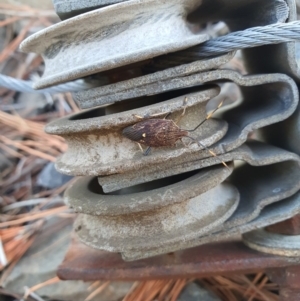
(210, 151)
(208, 116)
(147, 151)
(140, 147)
(146, 116)
(167, 115)
(183, 112)
(186, 145)
(138, 116)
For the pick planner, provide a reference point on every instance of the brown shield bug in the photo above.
(163, 132)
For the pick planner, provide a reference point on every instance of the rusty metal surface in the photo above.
(288, 279)
(85, 263)
(288, 227)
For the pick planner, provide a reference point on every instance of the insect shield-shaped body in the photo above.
(155, 132)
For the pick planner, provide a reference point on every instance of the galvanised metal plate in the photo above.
(271, 214)
(112, 37)
(86, 196)
(127, 89)
(273, 243)
(267, 99)
(119, 92)
(255, 13)
(96, 144)
(98, 40)
(155, 214)
(258, 187)
(253, 152)
(69, 8)
(279, 58)
(261, 187)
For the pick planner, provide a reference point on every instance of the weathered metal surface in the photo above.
(253, 152)
(126, 89)
(161, 220)
(268, 59)
(155, 218)
(271, 214)
(93, 152)
(273, 243)
(86, 196)
(152, 27)
(286, 277)
(70, 8)
(83, 262)
(140, 87)
(275, 58)
(159, 229)
(96, 145)
(261, 187)
(98, 40)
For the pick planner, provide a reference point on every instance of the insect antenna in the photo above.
(207, 117)
(209, 150)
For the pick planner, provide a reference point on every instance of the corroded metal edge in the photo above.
(85, 263)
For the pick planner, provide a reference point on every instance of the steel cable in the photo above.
(248, 38)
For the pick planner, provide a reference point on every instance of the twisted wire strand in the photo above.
(248, 38)
(26, 86)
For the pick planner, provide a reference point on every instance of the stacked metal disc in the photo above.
(144, 55)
